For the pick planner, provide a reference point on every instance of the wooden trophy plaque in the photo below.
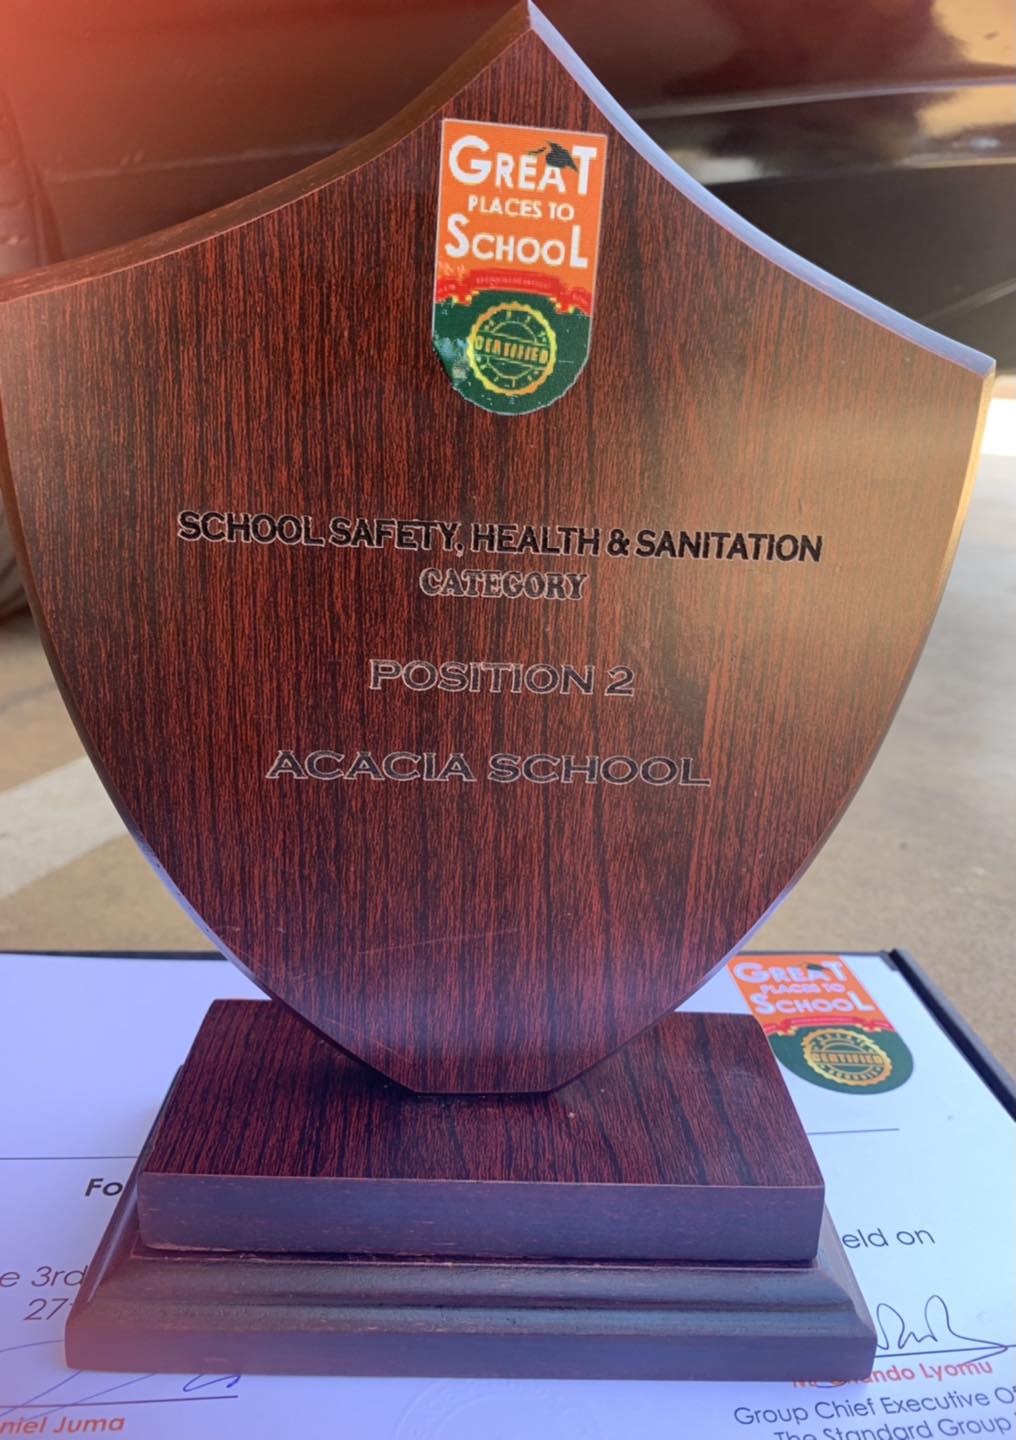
(482, 568)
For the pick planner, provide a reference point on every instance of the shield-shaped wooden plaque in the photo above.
(482, 568)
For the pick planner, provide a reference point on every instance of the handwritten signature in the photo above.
(64, 1393)
(934, 1334)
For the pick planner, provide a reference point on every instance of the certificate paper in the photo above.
(920, 1183)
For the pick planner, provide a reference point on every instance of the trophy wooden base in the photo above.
(295, 1213)
(188, 1311)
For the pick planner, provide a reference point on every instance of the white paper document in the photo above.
(920, 1182)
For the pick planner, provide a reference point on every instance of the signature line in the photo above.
(117, 1404)
(986, 1351)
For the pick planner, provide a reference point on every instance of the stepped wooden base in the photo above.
(194, 1312)
(295, 1213)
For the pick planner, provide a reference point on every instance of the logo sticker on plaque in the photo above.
(822, 1024)
(514, 278)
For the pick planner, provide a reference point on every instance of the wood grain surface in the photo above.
(191, 1312)
(277, 357)
(685, 1146)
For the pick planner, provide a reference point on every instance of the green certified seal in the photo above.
(512, 348)
(847, 1058)
(510, 352)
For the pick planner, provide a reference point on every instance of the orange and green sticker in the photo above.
(518, 235)
(821, 1022)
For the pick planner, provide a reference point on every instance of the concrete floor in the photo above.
(924, 858)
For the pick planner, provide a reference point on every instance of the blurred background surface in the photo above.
(875, 137)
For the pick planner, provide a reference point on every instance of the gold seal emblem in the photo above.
(849, 1057)
(512, 348)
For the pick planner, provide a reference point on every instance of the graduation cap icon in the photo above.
(557, 157)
